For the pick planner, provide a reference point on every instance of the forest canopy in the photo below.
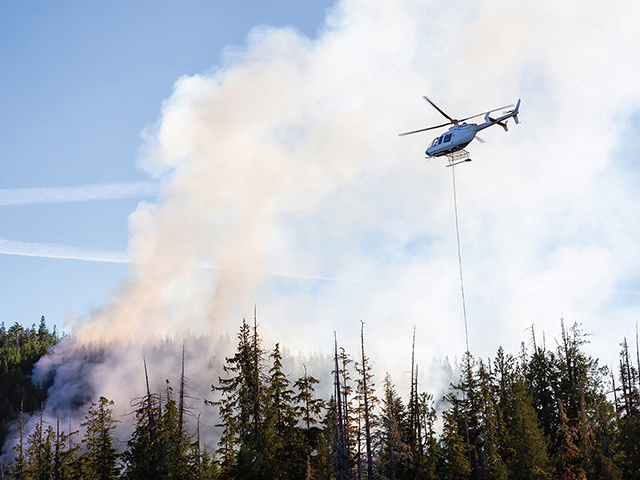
(538, 414)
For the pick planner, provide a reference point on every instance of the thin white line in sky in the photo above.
(65, 252)
(83, 193)
(51, 250)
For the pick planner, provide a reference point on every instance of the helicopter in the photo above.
(452, 143)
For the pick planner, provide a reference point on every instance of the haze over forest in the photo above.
(271, 175)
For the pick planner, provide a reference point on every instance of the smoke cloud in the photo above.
(285, 158)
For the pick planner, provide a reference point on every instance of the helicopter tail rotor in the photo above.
(515, 110)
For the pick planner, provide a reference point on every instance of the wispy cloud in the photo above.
(103, 191)
(50, 250)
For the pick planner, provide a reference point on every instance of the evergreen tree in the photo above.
(66, 462)
(142, 457)
(543, 376)
(172, 445)
(491, 430)
(40, 452)
(241, 405)
(100, 460)
(454, 462)
(20, 349)
(582, 395)
(289, 456)
(340, 443)
(281, 395)
(569, 456)
(309, 408)
(348, 413)
(19, 464)
(628, 407)
(396, 460)
(365, 389)
(228, 444)
(524, 445)
(464, 400)
(429, 448)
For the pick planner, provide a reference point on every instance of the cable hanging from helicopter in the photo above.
(452, 142)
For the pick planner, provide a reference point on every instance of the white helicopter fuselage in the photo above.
(453, 140)
(460, 135)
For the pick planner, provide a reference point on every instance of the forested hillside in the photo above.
(536, 414)
(20, 349)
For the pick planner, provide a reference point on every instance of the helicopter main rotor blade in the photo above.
(484, 113)
(438, 108)
(425, 129)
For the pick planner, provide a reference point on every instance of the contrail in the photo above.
(66, 252)
(51, 250)
(103, 191)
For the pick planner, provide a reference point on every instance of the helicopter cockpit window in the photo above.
(440, 140)
(435, 142)
(447, 138)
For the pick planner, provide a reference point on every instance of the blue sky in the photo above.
(270, 171)
(79, 82)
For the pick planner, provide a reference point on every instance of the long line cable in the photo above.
(464, 305)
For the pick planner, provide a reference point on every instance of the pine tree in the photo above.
(340, 443)
(569, 456)
(228, 444)
(20, 349)
(100, 460)
(628, 407)
(241, 407)
(19, 464)
(396, 460)
(66, 462)
(365, 388)
(309, 410)
(142, 457)
(629, 401)
(281, 395)
(172, 446)
(582, 395)
(524, 445)
(454, 462)
(464, 400)
(40, 452)
(348, 413)
(414, 433)
(543, 375)
(426, 418)
(491, 427)
(289, 456)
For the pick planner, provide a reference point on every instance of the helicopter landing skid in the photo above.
(458, 157)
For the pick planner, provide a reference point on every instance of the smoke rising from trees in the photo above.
(285, 158)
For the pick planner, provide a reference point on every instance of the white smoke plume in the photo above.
(285, 158)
